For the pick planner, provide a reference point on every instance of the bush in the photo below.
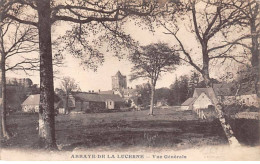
(236, 108)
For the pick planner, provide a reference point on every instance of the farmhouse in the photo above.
(85, 101)
(31, 104)
(201, 99)
(243, 95)
(225, 93)
(201, 102)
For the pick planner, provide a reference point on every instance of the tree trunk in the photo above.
(67, 104)
(255, 55)
(225, 125)
(205, 68)
(46, 111)
(218, 107)
(5, 132)
(152, 99)
(206, 77)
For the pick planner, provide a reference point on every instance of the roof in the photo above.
(129, 91)
(85, 96)
(112, 97)
(198, 91)
(208, 91)
(32, 100)
(94, 97)
(247, 89)
(107, 92)
(119, 74)
(35, 100)
(223, 89)
(188, 101)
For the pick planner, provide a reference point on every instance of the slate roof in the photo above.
(188, 101)
(35, 100)
(85, 96)
(198, 91)
(112, 97)
(224, 89)
(228, 90)
(247, 89)
(132, 92)
(106, 92)
(32, 100)
(94, 97)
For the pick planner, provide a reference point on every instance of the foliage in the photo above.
(144, 92)
(68, 85)
(151, 60)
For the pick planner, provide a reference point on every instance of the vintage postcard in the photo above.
(130, 80)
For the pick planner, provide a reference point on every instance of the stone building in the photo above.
(119, 82)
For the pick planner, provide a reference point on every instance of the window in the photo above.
(110, 103)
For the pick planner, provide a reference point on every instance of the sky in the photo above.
(101, 79)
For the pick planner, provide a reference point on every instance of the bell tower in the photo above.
(119, 81)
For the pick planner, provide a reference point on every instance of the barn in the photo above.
(86, 101)
(202, 98)
(201, 103)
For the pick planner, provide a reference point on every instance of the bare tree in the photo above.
(68, 85)
(150, 61)
(212, 23)
(250, 40)
(15, 40)
(43, 14)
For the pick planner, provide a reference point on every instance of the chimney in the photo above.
(89, 91)
(99, 91)
(92, 91)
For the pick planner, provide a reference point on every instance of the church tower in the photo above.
(119, 82)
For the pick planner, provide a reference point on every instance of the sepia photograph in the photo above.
(130, 80)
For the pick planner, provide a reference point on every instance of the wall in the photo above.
(89, 106)
(184, 107)
(30, 108)
(249, 100)
(110, 104)
(202, 102)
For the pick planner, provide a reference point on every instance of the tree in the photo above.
(43, 14)
(179, 90)
(68, 85)
(144, 92)
(150, 61)
(162, 94)
(212, 23)
(209, 20)
(250, 40)
(15, 39)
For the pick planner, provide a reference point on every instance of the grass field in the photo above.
(169, 128)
